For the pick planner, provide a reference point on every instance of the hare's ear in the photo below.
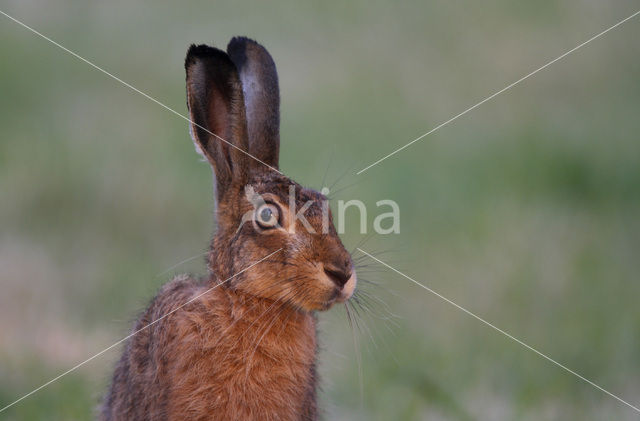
(216, 108)
(262, 98)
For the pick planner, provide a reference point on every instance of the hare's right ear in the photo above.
(262, 99)
(217, 112)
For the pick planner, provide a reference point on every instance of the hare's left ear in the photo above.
(262, 99)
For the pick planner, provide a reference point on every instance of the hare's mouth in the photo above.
(321, 288)
(341, 291)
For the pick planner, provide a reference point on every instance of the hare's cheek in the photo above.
(314, 295)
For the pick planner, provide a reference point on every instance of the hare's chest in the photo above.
(276, 354)
(253, 369)
(276, 376)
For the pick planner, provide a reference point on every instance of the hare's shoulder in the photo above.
(184, 295)
(185, 301)
(172, 295)
(185, 318)
(173, 318)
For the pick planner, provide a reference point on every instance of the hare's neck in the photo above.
(272, 335)
(275, 323)
(271, 347)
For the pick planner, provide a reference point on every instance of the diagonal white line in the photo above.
(459, 307)
(359, 172)
(188, 259)
(497, 93)
(134, 89)
(136, 332)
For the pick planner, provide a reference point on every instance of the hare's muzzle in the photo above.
(344, 279)
(338, 276)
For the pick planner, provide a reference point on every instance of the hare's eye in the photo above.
(267, 216)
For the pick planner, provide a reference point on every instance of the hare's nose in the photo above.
(338, 276)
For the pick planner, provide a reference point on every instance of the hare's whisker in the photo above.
(324, 177)
(356, 347)
(370, 296)
(357, 307)
(361, 243)
(342, 175)
(386, 322)
(334, 194)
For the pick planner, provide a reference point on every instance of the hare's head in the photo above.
(234, 102)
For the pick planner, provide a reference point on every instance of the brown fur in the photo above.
(245, 348)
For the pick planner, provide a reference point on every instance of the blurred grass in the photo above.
(525, 211)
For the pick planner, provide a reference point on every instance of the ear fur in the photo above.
(217, 111)
(262, 99)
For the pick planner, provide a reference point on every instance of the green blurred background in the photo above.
(525, 211)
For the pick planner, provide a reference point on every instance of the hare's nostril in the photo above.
(338, 277)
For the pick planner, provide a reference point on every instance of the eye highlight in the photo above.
(267, 216)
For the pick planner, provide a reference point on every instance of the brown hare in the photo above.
(243, 347)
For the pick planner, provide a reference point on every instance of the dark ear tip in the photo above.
(240, 42)
(194, 52)
(241, 48)
(201, 51)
